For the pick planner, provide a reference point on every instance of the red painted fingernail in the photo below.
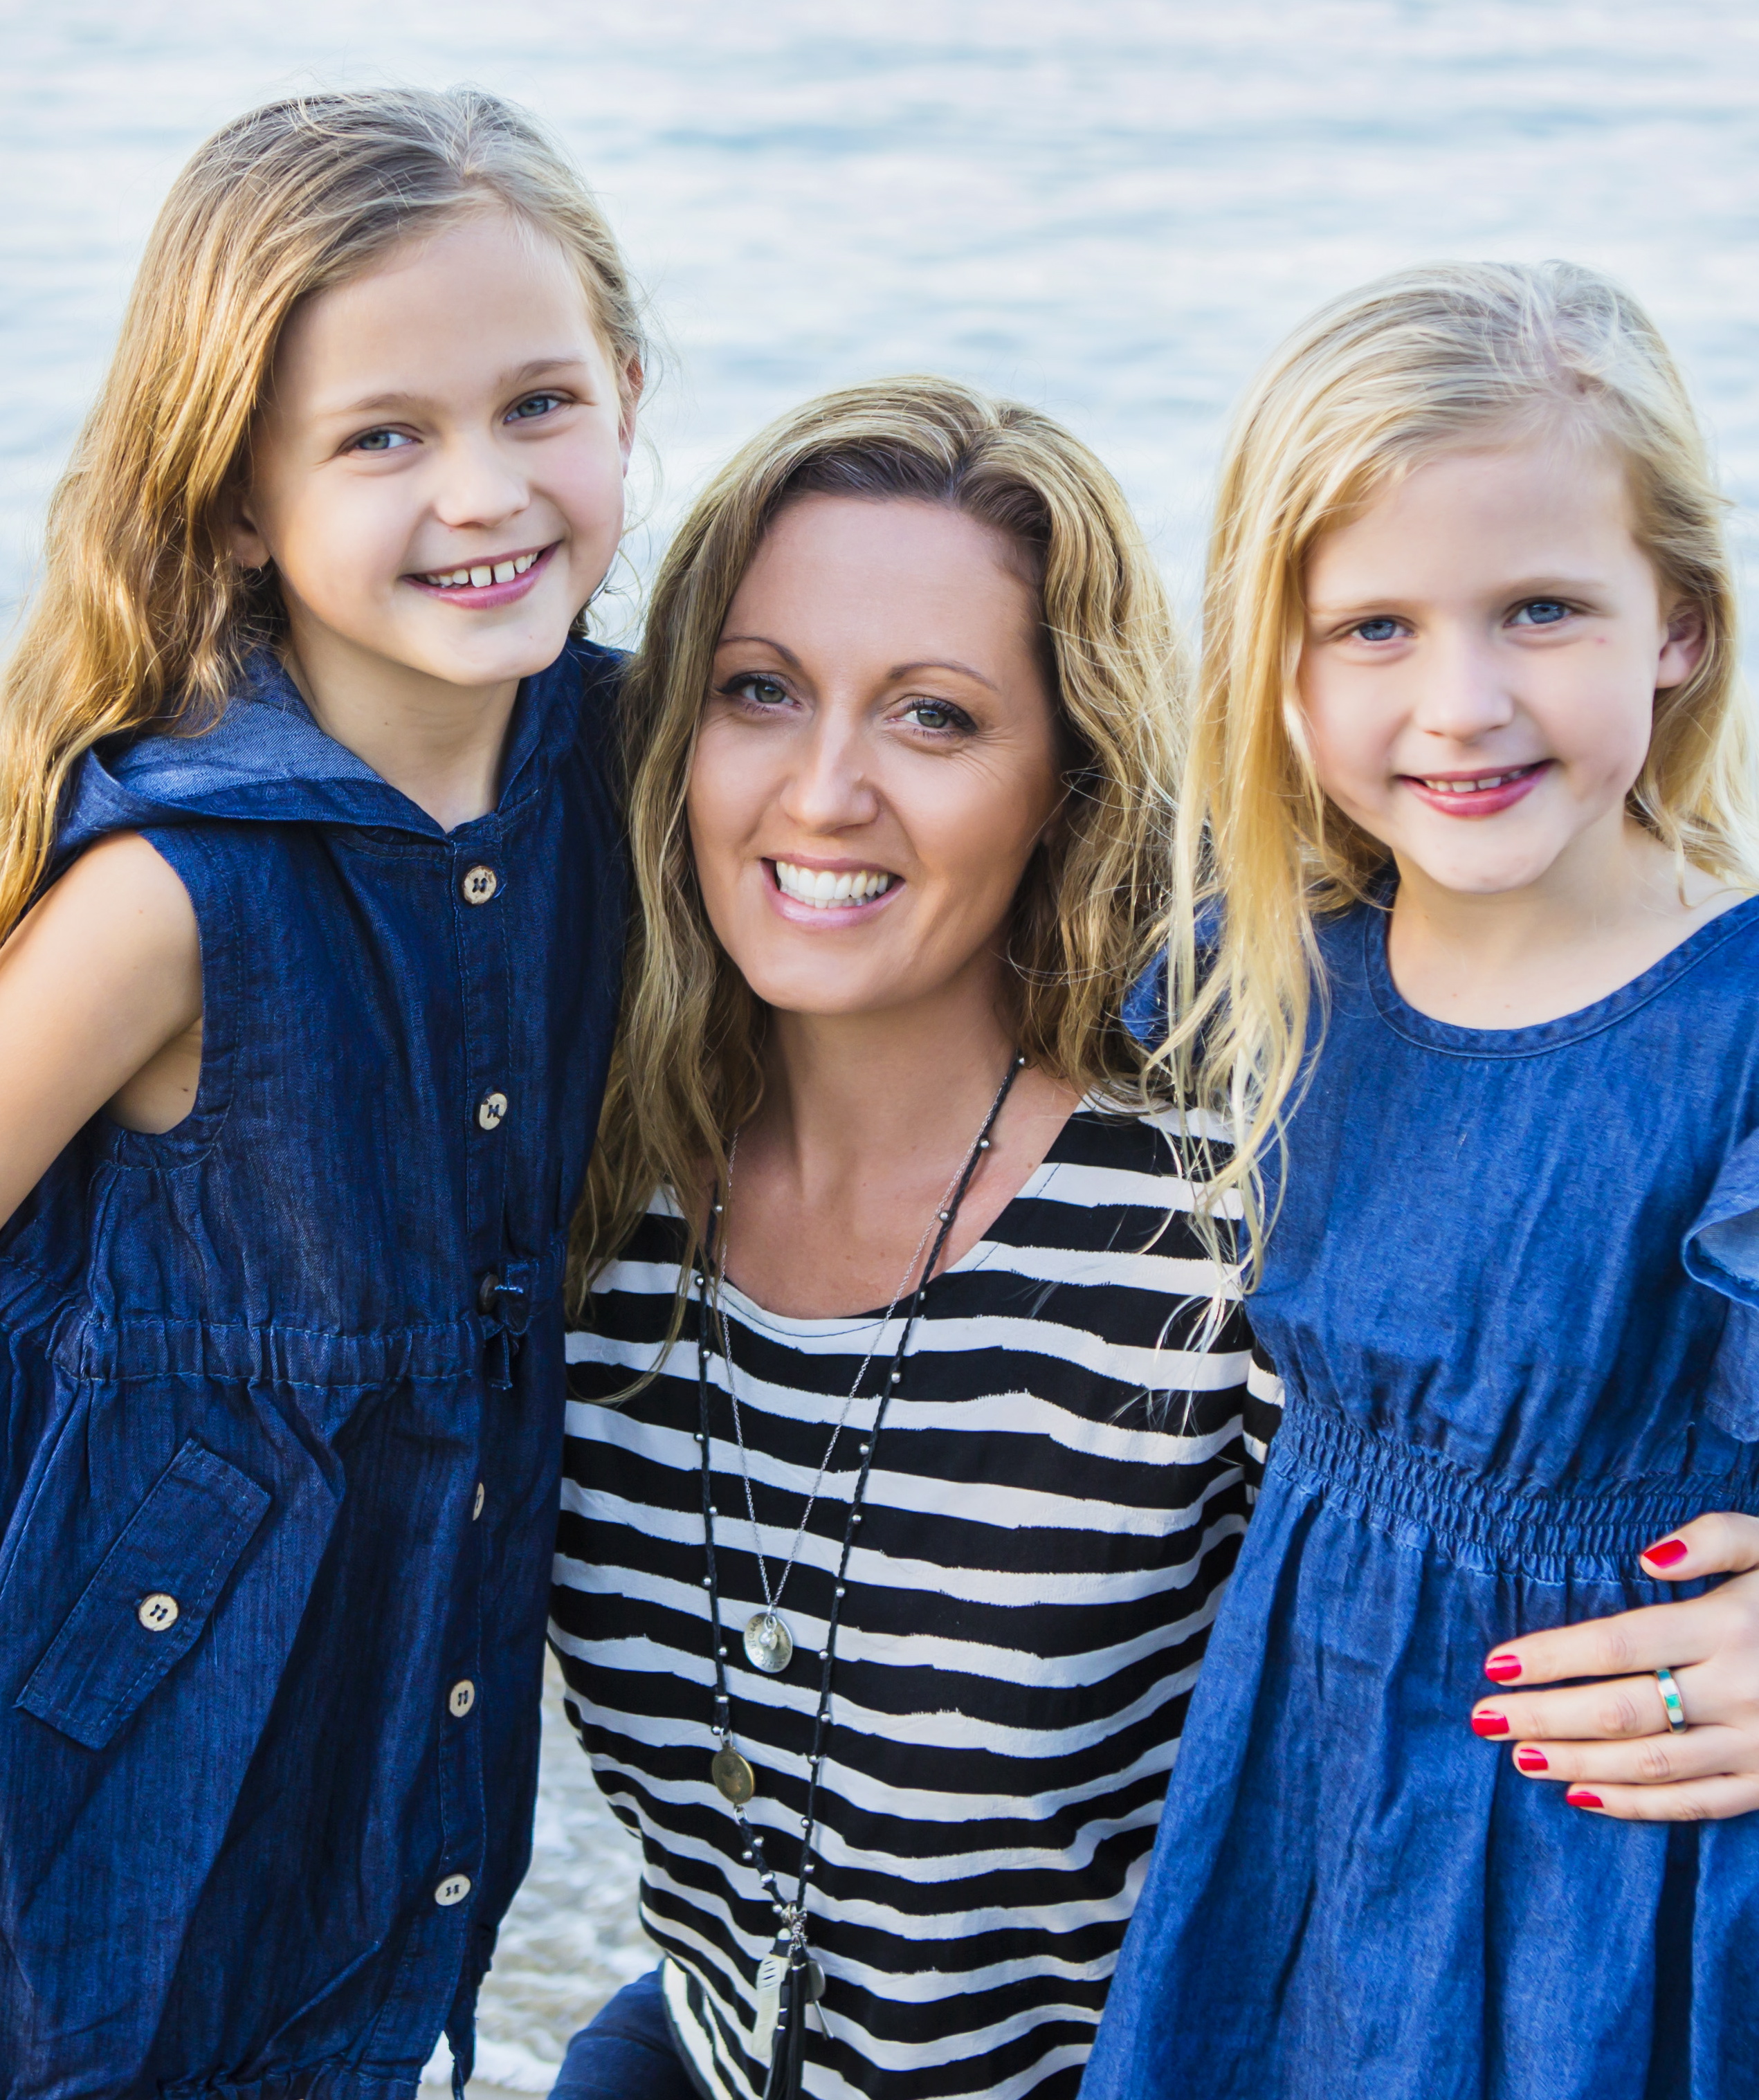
(1530, 1760)
(1668, 1552)
(1490, 1724)
(1579, 1797)
(1503, 1667)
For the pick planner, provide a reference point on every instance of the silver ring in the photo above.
(1671, 1700)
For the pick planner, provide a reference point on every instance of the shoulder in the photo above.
(116, 934)
(598, 673)
(124, 884)
(1108, 1162)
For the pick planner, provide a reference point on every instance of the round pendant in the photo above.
(735, 1780)
(769, 1645)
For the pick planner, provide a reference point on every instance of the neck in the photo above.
(438, 743)
(1578, 898)
(848, 1092)
(1513, 958)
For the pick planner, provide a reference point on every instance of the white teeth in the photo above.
(823, 890)
(480, 573)
(1485, 780)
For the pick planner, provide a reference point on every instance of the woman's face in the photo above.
(878, 757)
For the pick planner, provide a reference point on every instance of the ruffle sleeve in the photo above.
(1721, 1250)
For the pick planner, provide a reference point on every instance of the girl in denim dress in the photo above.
(1468, 820)
(311, 877)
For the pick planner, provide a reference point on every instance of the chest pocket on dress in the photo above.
(147, 1606)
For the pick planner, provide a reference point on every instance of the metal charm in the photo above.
(735, 1780)
(770, 1972)
(769, 1645)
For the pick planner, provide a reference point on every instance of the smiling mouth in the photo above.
(1477, 783)
(482, 575)
(825, 889)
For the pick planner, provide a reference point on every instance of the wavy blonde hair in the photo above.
(143, 616)
(1448, 357)
(688, 1068)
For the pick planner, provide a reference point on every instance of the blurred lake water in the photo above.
(1112, 208)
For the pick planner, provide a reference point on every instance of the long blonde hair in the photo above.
(688, 1067)
(1423, 361)
(143, 617)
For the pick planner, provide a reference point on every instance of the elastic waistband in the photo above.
(1489, 1519)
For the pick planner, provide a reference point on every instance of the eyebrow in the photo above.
(897, 672)
(521, 375)
(1550, 585)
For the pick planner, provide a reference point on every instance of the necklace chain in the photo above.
(792, 1915)
(940, 1216)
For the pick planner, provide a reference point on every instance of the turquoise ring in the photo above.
(1670, 1698)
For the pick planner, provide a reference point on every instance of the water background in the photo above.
(1112, 208)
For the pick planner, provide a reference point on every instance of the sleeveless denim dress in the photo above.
(1514, 1293)
(282, 1392)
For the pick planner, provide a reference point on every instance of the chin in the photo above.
(1486, 875)
(789, 991)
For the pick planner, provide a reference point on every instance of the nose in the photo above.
(1463, 688)
(479, 484)
(829, 789)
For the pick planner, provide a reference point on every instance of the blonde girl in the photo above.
(309, 879)
(1464, 963)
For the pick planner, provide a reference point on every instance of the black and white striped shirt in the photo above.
(1046, 1529)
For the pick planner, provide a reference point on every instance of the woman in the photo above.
(897, 730)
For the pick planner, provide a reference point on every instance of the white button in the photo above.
(476, 1507)
(479, 884)
(453, 1889)
(157, 1612)
(463, 1697)
(491, 1109)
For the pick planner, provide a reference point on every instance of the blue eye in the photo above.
(1376, 630)
(1541, 612)
(380, 441)
(533, 406)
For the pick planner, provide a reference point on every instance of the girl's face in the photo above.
(877, 758)
(438, 477)
(1483, 648)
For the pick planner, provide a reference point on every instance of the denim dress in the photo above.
(282, 1392)
(1512, 1292)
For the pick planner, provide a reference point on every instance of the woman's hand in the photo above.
(1610, 1743)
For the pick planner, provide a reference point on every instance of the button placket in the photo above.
(480, 878)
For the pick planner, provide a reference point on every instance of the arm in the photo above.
(100, 981)
(1611, 1741)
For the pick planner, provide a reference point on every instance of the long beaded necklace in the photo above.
(789, 1978)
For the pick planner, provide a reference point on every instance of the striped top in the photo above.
(1055, 1502)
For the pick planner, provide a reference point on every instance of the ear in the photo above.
(1682, 647)
(249, 549)
(633, 380)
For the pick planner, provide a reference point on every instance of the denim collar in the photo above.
(266, 759)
